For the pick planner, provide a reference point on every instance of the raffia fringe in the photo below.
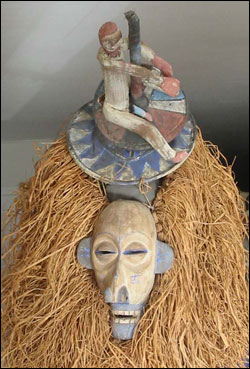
(53, 315)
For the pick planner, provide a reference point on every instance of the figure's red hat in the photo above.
(107, 29)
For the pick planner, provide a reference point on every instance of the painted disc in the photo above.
(103, 160)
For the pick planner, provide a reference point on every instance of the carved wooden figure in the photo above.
(138, 124)
(117, 84)
(125, 256)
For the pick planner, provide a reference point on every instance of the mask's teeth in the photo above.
(125, 317)
(125, 312)
(123, 321)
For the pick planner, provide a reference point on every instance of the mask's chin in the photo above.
(125, 318)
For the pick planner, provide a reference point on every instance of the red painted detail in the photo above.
(169, 123)
(164, 66)
(148, 117)
(180, 155)
(107, 29)
(111, 131)
(171, 86)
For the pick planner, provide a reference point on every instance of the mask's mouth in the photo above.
(125, 317)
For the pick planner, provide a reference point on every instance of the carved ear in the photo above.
(164, 257)
(84, 253)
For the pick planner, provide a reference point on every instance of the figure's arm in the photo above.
(169, 85)
(145, 74)
(147, 53)
(150, 56)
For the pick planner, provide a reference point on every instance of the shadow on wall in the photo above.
(229, 130)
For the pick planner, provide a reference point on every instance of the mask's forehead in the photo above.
(122, 218)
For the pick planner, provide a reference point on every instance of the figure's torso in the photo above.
(116, 83)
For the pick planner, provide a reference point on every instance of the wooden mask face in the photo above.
(124, 255)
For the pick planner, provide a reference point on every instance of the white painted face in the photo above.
(112, 42)
(125, 256)
(123, 252)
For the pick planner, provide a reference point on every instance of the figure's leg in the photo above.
(144, 129)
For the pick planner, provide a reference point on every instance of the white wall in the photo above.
(49, 57)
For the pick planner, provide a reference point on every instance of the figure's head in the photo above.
(110, 38)
(125, 256)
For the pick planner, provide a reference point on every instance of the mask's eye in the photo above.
(135, 252)
(105, 250)
(135, 248)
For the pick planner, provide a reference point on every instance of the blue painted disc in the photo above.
(104, 161)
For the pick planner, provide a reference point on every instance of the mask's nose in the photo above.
(117, 292)
(122, 295)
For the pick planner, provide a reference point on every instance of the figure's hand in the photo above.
(164, 66)
(155, 78)
(171, 86)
